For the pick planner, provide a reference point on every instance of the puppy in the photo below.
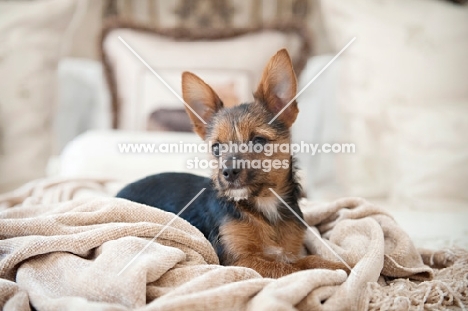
(238, 213)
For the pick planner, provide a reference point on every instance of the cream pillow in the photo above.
(241, 57)
(409, 56)
(97, 154)
(31, 37)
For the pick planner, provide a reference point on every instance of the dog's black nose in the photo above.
(231, 173)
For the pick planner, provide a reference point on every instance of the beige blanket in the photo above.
(63, 244)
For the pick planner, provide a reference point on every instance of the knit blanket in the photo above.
(69, 245)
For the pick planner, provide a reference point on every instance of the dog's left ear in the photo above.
(278, 87)
(201, 99)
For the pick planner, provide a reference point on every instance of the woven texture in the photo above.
(64, 246)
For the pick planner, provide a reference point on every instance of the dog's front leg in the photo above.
(266, 267)
(276, 269)
(317, 262)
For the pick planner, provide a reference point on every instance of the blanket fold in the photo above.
(68, 244)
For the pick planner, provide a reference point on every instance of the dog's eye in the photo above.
(259, 140)
(215, 150)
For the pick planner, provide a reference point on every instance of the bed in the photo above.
(67, 244)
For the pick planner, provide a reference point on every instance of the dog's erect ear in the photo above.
(278, 87)
(201, 99)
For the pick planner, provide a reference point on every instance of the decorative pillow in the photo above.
(409, 60)
(31, 37)
(175, 120)
(222, 56)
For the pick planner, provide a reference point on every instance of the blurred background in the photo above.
(70, 91)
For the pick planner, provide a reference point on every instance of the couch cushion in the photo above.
(31, 35)
(409, 56)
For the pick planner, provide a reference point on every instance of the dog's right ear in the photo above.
(202, 102)
(278, 87)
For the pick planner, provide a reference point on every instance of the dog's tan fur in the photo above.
(262, 238)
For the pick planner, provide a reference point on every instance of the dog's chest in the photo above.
(268, 207)
(253, 235)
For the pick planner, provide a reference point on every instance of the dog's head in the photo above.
(238, 133)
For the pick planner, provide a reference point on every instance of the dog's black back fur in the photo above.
(171, 192)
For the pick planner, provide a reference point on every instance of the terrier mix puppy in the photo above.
(244, 221)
